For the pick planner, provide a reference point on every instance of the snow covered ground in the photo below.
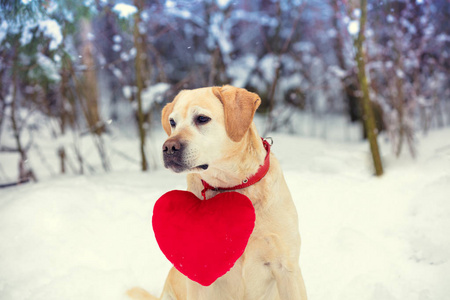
(90, 237)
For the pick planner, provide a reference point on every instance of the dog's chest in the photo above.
(253, 271)
(251, 277)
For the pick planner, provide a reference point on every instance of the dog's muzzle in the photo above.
(173, 155)
(176, 157)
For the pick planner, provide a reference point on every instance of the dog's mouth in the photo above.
(180, 167)
(175, 166)
(203, 167)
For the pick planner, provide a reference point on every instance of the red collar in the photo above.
(262, 171)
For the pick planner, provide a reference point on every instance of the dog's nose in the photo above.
(172, 146)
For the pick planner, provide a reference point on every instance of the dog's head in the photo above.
(203, 123)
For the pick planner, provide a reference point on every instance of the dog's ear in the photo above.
(239, 107)
(167, 110)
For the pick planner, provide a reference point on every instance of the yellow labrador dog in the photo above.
(212, 137)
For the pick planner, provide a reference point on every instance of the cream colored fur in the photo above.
(269, 268)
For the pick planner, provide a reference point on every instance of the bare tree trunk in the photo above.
(89, 91)
(80, 159)
(271, 97)
(403, 108)
(138, 44)
(2, 115)
(25, 172)
(62, 157)
(95, 129)
(401, 114)
(67, 115)
(349, 82)
(278, 51)
(367, 108)
(90, 88)
(215, 57)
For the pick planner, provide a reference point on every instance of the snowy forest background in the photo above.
(82, 84)
(89, 72)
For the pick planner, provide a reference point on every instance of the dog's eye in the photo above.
(172, 123)
(202, 120)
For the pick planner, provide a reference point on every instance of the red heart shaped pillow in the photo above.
(203, 238)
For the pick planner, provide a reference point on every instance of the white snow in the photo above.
(180, 13)
(304, 47)
(223, 4)
(337, 71)
(3, 30)
(117, 38)
(116, 47)
(170, 4)
(124, 10)
(220, 33)
(52, 30)
(26, 36)
(357, 13)
(128, 90)
(268, 65)
(90, 237)
(49, 67)
(153, 94)
(390, 18)
(117, 72)
(442, 38)
(48, 27)
(240, 69)
(353, 27)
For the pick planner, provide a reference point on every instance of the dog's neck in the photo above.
(240, 162)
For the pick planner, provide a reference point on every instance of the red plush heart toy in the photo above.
(203, 239)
